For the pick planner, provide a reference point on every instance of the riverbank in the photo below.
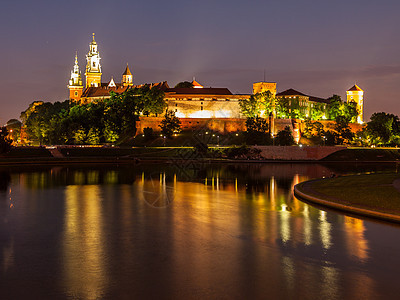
(371, 195)
(90, 154)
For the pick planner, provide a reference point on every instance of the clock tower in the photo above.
(93, 67)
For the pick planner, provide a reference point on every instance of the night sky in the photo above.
(317, 47)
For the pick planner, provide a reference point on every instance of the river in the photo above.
(187, 231)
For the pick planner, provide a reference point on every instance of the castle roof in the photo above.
(196, 84)
(292, 92)
(127, 71)
(355, 88)
(202, 91)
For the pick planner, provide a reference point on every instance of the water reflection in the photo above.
(215, 231)
(4, 181)
(84, 263)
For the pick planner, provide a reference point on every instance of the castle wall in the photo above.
(222, 125)
(207, 107)
(297, 153)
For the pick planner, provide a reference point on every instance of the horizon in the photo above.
(318, 49)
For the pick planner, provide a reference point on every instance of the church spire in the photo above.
(93, 67)
(75, 83)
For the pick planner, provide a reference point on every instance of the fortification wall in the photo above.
(296, 152)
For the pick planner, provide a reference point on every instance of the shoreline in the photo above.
(305, 193)
(138, 160)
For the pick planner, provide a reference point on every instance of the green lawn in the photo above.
(370, 191)
(365, 154)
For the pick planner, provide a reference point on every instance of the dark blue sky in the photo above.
(317, 47)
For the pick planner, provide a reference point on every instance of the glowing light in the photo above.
(201, 114)
(180, 114)
(222, 114)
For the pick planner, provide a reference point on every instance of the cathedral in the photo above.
(192, 105)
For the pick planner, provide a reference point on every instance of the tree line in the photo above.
(109, 120)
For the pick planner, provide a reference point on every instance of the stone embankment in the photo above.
(296, 152)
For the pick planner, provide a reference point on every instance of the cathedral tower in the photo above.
(127, 78)
(93, 67)
(357, 95)
(75, 83)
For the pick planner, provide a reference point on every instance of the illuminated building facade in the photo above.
(75, 85)
(304, 103)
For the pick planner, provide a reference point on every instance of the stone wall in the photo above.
(222, 125)
(296, 152)
(206, 107)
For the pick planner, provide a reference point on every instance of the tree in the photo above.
(257, 131)
(258, 105)
(80, 136)
(5, 142)
(333, 108)
(170, 124)
(284, 137)
(14, 129)
(314, 131)
(283, 108)
(148, 133)
(317, 111)
(93, 136)
(383, 127)
(338, 108)
(184, 84)
(342, 128)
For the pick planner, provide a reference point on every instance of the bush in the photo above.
(148, 134)
(284, 137)
(5, 142)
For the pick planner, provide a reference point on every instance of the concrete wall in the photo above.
(296, 152)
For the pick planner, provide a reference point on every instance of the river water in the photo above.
(185, 231)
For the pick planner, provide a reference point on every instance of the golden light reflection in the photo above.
(308, 237)
(325, 230)
(289, 272)
(285, 224)
(330, 282)
(356, 243)
(84, 272)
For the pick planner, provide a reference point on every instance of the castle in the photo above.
(192, 105)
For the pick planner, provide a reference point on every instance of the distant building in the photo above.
(201, 102)
(260, 87)
(357, 95)
(303, 102)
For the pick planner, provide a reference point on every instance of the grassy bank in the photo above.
(370, 192)
(365, 154)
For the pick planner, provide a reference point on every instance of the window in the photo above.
(76, 94)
